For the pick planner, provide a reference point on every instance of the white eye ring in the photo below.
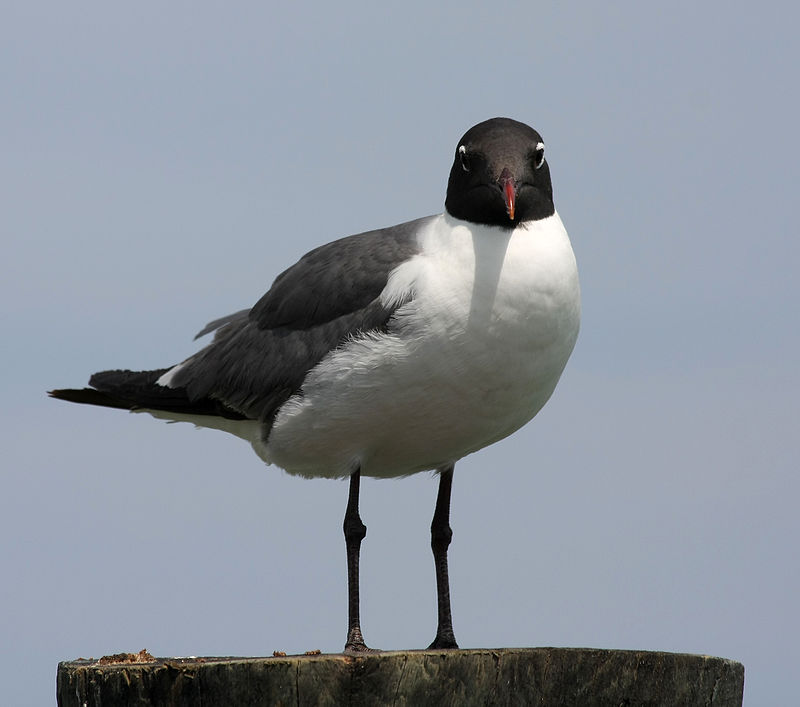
(462, 155)
(538, 159)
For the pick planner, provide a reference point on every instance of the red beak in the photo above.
(509, 187)
(509, 195)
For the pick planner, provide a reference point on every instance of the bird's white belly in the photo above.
(470, 359)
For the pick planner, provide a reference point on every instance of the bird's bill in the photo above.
(509, 194)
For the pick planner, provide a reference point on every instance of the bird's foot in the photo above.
(444, 640)
(355, 643)
(359, 649)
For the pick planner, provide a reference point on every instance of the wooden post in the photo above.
(506, 676)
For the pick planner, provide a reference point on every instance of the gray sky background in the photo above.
(161, 163)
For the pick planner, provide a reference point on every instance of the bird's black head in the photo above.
(500, 176)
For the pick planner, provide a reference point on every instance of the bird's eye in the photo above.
(462, 156)
(538, 155)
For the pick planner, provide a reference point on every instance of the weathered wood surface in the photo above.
(508, 676)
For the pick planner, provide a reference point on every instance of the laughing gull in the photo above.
(393, 351)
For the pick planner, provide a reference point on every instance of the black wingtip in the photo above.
(137, 390)
(89, 396)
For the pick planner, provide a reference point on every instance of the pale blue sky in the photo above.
(162, 163)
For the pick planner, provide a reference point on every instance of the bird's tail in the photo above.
(138, 390)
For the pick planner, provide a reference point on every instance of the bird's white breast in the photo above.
(473, 356)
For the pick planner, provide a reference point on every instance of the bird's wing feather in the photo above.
(258, 359)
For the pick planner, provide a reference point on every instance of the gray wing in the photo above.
(260, 357)
(222, 321)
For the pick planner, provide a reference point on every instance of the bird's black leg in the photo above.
(441, 535)
(354, 533)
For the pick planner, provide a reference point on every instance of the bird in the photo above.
(393, 351)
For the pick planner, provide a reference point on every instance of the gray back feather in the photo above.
(260, 357)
